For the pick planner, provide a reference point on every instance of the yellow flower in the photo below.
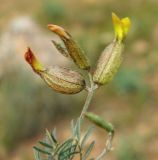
(121, 26)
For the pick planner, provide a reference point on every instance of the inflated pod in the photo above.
(108, 63)
(63, 80)
(60, 79)
(111, 57)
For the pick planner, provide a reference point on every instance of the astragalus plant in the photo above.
(68, 81)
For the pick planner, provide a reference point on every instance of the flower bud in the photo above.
(59, 79)
(75, 52)
(100, 122)
(108, 63)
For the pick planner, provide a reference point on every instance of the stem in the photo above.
(107, 148)
(80, 152)
(87, 103)
(91, 90)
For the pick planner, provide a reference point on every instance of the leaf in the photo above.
(73, 128)
(67, 143)
(86, 136)
(88, 151)
(78, 128)
(71, 148)
(50, 138)
(68, 152)
(50, 157)
(54, 135)
(36, 154)
(67, 157)
(42, 151)
(45, 144)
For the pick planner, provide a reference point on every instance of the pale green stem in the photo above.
(91, 90)
(87, 103)
(108, 147)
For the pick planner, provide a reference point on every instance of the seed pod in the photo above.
(75, 52)
(63, 80)
(58, 78)
(108, 63)
(100, 122)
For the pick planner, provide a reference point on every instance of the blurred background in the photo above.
(28, 106)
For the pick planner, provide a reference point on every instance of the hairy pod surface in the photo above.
(63, 80)
(108, 63)
(75, 52)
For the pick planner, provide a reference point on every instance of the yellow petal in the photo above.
(32, 60)
(117, 26)
(121, 26)
(126, 24)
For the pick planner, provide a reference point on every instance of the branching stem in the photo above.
(90, 90)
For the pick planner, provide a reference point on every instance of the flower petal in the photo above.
(121, 26)
(126, 24)
(117, 26)
(32, 60)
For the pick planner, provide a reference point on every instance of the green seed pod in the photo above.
(63, 80)
(75, 52)
(108, 63)
(100, 122)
